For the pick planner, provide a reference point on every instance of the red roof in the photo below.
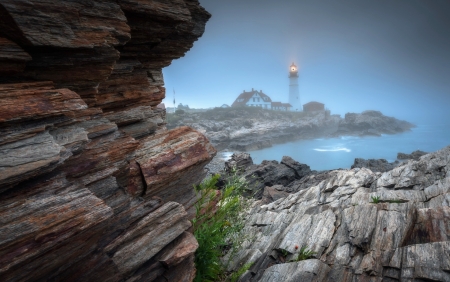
(245, 96)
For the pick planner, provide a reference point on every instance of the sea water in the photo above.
(333, 153)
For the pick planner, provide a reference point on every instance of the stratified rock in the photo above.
(414, 155)
(12, 57)
(361, 226)
(88, 171)
(172, 161)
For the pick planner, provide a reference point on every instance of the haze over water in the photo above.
(333, 153)
(384, 55)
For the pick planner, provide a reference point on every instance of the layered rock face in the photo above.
(362, 226)
(93, 187)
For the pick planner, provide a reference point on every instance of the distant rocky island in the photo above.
(246, 128)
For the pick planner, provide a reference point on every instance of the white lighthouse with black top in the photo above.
(294, 93)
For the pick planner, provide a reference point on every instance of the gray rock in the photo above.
(377, 165)
(414, 155)
(404, 236)
(301, 170)
(312, 270)
(238, 161)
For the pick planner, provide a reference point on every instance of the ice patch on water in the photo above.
(338, 149)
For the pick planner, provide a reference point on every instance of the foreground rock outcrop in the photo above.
(362, 226)
(93, 187)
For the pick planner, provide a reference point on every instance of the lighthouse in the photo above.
(294, 93)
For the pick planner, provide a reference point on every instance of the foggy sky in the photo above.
(392, 56)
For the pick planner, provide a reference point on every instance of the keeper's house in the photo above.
(256, 98)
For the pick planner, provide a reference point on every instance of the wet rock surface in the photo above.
(361, 225)
(93, 187)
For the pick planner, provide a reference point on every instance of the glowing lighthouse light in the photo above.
(294, 93)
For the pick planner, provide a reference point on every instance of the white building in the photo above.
(253, 99)
(294, 93)
(256, 98)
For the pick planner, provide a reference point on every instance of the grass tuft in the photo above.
(375, 199)
(217, 225)
(305, 254)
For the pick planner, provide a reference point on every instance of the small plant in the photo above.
(284, 252)
(235, 276)
(305, 254)
(375, 199)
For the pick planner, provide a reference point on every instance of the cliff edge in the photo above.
(93, 187)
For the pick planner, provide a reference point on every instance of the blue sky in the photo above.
(353, 55)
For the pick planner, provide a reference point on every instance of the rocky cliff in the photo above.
(93, 187)
(360, 225)
(246, 129)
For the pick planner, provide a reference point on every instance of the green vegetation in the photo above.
(217, 225)
(375, 199)
(284, 252)
(235, 276)
(305, 254)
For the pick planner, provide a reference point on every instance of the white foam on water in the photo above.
(226, 155)
(333, 150)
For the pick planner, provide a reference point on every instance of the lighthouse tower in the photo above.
(294, 93)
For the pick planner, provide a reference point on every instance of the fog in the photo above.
(392, 56)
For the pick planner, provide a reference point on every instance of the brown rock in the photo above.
(170, 161)
(80, 135)
(12, 57)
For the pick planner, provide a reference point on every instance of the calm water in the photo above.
(324, 154)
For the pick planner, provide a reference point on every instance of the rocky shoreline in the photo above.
(246, 129)
(361, 224)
